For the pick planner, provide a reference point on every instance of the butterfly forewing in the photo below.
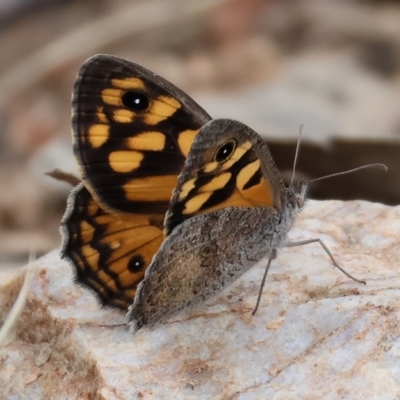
(132, 130)
(229, 166)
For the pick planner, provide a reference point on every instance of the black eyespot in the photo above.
(225, 151)
(135, 101)
(136, 264)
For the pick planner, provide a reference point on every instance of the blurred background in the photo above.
(332, 65)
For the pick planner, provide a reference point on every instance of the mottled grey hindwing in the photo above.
(201, 257)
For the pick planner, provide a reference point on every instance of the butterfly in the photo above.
(131, 132)
(229, 210)
(173, 206)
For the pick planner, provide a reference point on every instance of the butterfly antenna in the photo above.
(383, 166)
(296, 153)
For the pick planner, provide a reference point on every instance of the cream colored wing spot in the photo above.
(151, 188)
(115, 244)
(112, 96)
(185, 140)
(154, 141)
(194, 204)
(161, 108)
(125, 161)
(123, 116)
(128, 83)
(216, 183)
(101, 117)
(186, 188)
(98, 134)
(246, 174)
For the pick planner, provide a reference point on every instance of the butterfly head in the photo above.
(296, 194)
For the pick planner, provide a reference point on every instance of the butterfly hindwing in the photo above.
(110, 253)
(131, 132)
(201, 257)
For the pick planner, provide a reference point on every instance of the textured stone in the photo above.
(316, 335)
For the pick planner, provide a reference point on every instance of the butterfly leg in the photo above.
(335, 264)
(271, 257)
(300, 243)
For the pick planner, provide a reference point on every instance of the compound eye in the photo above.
(225, 151)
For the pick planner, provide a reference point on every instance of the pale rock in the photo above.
(316, 335)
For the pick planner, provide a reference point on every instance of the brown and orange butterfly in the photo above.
(145, 240)
(131, 133)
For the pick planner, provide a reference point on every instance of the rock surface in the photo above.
(316, 335)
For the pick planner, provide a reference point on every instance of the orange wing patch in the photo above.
(153, 141)
(253, 186)
(150, 188)
(112, 97)
(125, 161)
(128, 83)
(160, 109)
(123, 116)
(185, 140)
(98, 135)
(110, 252)
(101, 116)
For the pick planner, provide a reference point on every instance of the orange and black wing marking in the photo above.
(131, 133)
(229, 165)
(110, 253)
